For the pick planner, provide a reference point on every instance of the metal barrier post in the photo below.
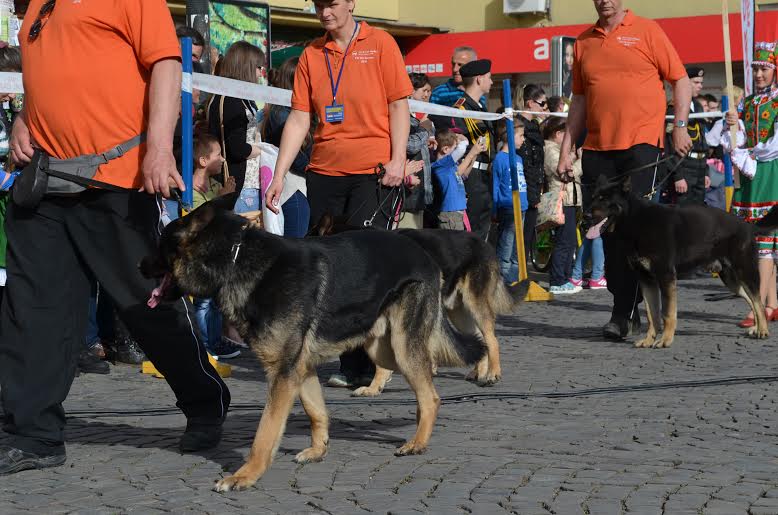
(729, 182)
(187, 129)
(536, 292)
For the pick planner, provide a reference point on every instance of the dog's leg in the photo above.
(747, 288)
(312, 400)
(650, 289)
(669, 311)
(381, 377)
(427, 404)
(493, 371)
(281, 395)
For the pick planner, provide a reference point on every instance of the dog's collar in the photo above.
(235, 251)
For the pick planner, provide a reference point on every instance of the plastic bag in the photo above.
(274, 223)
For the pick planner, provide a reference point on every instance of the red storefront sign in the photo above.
(698, 39)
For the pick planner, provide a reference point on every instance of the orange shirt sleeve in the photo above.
(578, 86)
(301, 93)
(151, 32)
(668, 62)
(397, 84)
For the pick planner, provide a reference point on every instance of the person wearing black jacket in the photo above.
(532, 98)
(245, 62)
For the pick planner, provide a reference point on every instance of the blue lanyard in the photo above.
(336, 85)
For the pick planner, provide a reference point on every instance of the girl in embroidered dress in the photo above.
(757, 159)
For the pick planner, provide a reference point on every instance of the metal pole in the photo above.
(522, 254)
(729, 183)
(187, 136)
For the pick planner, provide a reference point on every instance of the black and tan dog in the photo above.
(473, 291)
(664, 241)
(299, 303)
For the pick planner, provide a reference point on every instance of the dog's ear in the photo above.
(626, 184)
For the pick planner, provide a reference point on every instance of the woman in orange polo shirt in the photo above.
(354, 79)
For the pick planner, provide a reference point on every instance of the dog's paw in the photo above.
(409, 449)
(663, 343)
(311, 455)
(434, 369)
(366, 391)
(235, 482)
(754, 332)
(472, 375)
(489, 380)
(645, 343)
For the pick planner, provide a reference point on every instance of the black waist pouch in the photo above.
(46, 175)
(32, 183)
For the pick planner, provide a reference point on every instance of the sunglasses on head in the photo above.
(37, 26)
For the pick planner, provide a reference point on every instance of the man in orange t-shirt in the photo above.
(620, 67)
(96, 74)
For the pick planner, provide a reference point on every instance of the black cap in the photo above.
(695, 71)
(476, 68)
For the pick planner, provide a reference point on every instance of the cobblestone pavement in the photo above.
(707, 449)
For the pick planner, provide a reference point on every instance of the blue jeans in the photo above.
(297, 215)
(99, 318)
(248, 201)
(209, 321)
(594, 249)
(506, 246)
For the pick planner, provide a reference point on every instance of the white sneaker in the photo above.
(339, 381)
(565, 289)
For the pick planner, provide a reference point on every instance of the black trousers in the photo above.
(355, 196)
(54, 252)
(530, 220)
(622, 280)
(565, 242)
(479, 202)
(358, 198)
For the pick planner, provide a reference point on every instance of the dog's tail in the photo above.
(508, 298)
(453, 348)
(769, 222)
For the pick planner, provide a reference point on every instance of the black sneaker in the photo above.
(89, 363)
(224, 350)
(201, 435)
(13, 460)
(619, 327)
(128, 351)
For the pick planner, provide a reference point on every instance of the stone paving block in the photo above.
(717, 507)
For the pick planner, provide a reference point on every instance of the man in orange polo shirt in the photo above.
(96, 74)
(618, 96)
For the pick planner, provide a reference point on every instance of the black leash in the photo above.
(399, 190)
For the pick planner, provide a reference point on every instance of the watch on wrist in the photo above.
(681, 124)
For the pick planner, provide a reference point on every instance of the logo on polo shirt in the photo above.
(364, 56)
(628, 41)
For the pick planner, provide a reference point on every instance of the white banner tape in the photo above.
(12, 83)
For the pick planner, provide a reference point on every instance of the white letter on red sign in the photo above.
(542, 52)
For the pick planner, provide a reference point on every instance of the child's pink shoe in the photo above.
(597, 284)
(576, 282)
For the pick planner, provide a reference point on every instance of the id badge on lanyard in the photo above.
(335, 113)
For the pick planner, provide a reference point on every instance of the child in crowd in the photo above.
(208, 165)
(565, 238)
(502, 201)
(450, 177)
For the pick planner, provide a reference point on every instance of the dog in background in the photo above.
(473, 291)
(300, 303)
(664, 241)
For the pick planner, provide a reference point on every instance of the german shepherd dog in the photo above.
(473, 291)
(299, 303)
(664, 241)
